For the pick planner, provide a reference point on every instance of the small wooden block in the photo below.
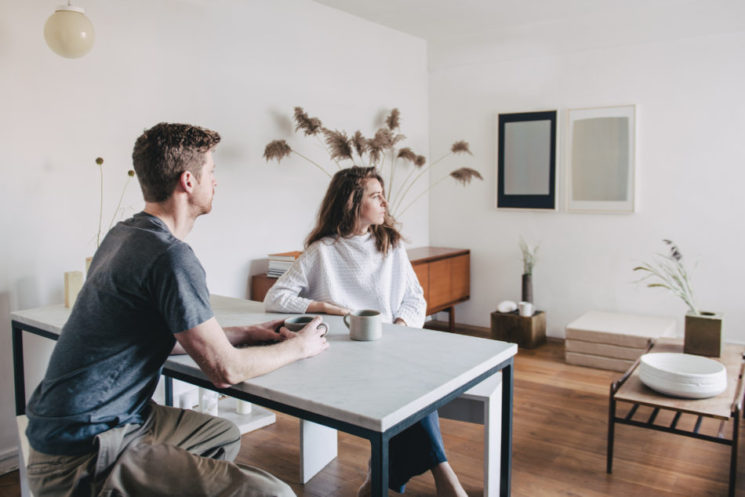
(604, 350)
(528, 332)
(597, 362)
(73, 284)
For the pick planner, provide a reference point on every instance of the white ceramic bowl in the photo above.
(683, 375)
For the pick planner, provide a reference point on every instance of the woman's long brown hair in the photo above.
(341, 207)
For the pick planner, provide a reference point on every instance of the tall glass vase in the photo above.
(527, 295)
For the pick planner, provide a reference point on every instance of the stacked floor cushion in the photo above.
(609, 340)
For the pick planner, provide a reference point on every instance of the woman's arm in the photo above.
(284, 295)
(327, 308)
(413, 306)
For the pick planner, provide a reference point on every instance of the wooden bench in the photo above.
(23, 452)
(318, 443)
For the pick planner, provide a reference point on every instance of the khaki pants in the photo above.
(175, 452)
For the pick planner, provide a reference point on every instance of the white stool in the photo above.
(23, 451)
(481, 404)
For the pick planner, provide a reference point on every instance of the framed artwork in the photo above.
(600, 159)
(526, 164)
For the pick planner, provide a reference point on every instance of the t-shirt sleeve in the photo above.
(179, 285)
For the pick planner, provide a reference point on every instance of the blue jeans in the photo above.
(415, 450)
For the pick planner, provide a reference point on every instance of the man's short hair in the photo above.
(163, 152)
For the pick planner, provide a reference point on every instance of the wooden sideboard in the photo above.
(444, 273)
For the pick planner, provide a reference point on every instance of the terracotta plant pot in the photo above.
(703, 334)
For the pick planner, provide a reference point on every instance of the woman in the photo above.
(354, 259)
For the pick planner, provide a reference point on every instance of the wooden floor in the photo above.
(560, 427)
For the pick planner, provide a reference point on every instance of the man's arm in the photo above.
(226, 365)
(254, 334)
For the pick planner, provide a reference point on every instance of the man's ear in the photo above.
(187, 181)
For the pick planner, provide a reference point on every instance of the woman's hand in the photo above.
(327, 308)
(400, 322)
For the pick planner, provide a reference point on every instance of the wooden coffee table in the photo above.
(725, 407)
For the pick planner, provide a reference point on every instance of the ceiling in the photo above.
(441, 20)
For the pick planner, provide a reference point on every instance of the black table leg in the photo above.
(379, 465)
(169, 390)
(733, 457)
(506, 455)
(18, 373)
(611, 431)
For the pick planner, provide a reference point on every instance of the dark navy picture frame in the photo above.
(527, 201)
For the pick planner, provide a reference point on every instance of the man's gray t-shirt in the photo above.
(143, 286)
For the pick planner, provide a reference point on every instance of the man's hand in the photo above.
(311, 339)
(271, 331)
(224, 364)
(327, 308)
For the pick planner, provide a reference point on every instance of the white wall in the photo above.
(686, 75)
(238, 67)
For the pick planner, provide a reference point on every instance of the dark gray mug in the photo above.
(297, 323)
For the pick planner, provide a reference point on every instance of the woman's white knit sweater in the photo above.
(351, 273)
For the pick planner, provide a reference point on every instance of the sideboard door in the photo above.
(422, 274)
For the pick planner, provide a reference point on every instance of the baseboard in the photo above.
(464, 329)
(8, 460)
(471, 330)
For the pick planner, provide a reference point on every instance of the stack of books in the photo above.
(281, 262)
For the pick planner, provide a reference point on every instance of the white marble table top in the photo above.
(373, 385)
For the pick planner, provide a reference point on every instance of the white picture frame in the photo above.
(601, 159)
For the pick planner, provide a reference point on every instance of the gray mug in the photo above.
(364, 325)
(297, 323)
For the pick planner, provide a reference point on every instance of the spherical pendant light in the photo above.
(69, 32)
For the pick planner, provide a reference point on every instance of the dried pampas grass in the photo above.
(381, 151)
(338, 143)
(278, 149)
(461, 147)
(382, 140)
(407, 154)
(359, 143)
(464, 175)
(310, 125)
(393, 121)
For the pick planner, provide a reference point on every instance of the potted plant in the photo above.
(703, 329)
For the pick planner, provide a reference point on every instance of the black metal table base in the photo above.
(378, 440)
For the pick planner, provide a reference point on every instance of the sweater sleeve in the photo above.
(413, 306)
(284, 295)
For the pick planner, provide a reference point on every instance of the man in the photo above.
(93, 429)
